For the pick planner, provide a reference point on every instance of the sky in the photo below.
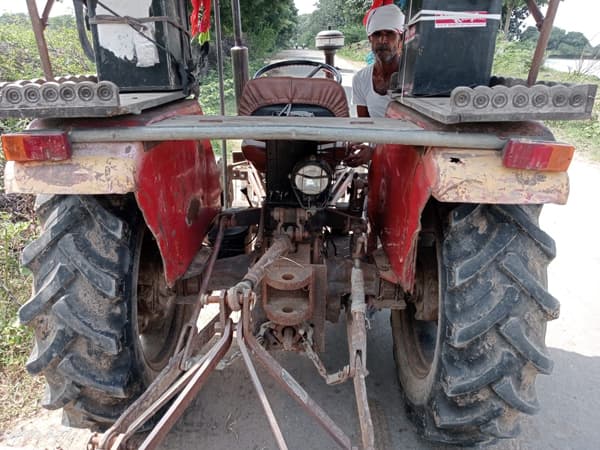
(305, 6)
(573, 15)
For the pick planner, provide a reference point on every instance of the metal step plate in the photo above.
(503, 103)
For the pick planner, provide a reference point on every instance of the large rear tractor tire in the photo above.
(105, 323)
(470, 344)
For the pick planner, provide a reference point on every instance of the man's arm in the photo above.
(359, 153)
(359, 94)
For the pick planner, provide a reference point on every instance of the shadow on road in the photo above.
(228, 415)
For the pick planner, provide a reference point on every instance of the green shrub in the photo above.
(353, 34)
(15, 282)
(19, 58)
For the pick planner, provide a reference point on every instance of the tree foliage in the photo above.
(267, 25)
(514, 13)
(569, 44)
(19, 58)
(343, 15)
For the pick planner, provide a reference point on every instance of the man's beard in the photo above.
(384, 53)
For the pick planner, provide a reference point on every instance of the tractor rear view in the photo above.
(143, 234)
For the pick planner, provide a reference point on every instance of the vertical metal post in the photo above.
(237, 22)
(217, 13)
(538, 56)
(38, 31)
(239, 54)
(329, 57)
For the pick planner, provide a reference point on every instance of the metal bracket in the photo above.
(285, 380)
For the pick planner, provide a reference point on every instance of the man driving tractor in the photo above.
(370, 85)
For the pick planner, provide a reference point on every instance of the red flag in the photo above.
(202, 26)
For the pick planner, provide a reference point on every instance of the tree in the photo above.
(514, 12)
(530, 34)
(267, 25)
(574, 44)
(556, 37)
(576, 39)
(562, 43)
(343, 15)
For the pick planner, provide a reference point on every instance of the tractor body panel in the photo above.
(403, 178)
(176, 183)
(178, 192)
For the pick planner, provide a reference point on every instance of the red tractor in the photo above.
(138, 238)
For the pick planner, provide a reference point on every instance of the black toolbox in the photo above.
(448, 44)
(141, 46)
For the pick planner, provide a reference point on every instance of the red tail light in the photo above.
(536, 155)
(36, 146)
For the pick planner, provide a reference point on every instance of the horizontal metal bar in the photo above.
(378, 131)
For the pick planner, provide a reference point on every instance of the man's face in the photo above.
(385, 44)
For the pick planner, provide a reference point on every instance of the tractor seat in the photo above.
(288, 96)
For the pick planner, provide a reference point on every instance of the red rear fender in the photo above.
(400, 183)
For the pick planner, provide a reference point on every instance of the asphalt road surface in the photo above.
(228, 415)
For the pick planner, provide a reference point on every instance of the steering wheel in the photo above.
(317, 67)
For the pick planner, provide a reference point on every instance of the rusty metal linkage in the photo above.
(357, 347)
(166, 385)
(159, 393)
(191, 389)
(186, 338)
(288, 383)
(280, 246)
(185, 375)
(331, 379)
(259, 389)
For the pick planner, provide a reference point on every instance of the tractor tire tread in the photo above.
(79, 295)
(494, 261)
(52, 289)
(59, 395)
(41, 358)
(70, 317)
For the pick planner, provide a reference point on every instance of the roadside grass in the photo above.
(19, 392)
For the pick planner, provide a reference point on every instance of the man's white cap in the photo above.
(386, 17)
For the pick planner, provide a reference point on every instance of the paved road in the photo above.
(227, 414)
